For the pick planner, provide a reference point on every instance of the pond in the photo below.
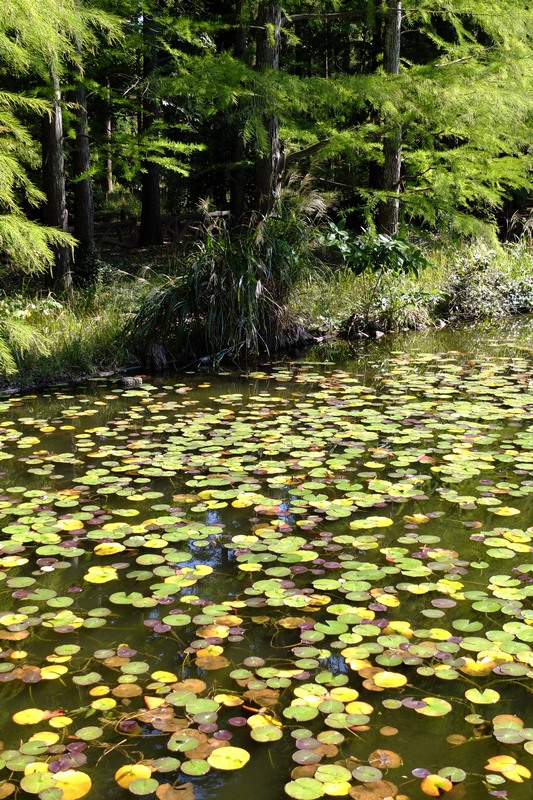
(311, 580)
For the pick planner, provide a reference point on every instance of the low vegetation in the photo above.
(465, 282)
(46, 341)
(271, 289)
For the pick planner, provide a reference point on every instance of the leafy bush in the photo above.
(461, 282)
(491, 283)
(25, 308)
(518, 295)
(375, 253)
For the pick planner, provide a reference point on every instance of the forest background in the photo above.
(320, 167)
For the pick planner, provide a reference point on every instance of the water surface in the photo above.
(323, 565)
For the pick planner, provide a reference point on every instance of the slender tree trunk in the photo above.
(389, 210)
(269, 164)
(83, 187)
(238, 149)
(237, 176)
(327, 52)
(108, 186)
(150, 228)
(55, 211)
(375, 26)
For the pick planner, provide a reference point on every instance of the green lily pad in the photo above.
(434, 707)
(485, 697)
(304, 789)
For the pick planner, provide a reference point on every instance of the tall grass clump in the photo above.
(233, 293)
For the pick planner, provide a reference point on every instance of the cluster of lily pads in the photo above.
(307, 561)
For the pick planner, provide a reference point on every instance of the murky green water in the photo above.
(311, 580)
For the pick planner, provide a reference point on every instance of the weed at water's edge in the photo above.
(466, 282)
(48, 340)
(75, 339)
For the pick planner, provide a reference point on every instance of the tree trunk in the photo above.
(107, 185)
(55, 212)
(83, 187)
(375, 27)
(238, 149)
(269, 164)
(389, 210)
(327, 52)
(150, 227)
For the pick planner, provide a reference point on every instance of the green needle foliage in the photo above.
(22, 240)
(223, 104)
(17, 338)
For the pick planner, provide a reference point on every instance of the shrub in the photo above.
(374, 252)
(232, 296)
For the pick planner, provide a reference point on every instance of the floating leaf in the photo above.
(389, 680)
(434, 707)
(485, 697)
(100, 574)
(143, 786)
(29, 716)
(266, 733)
(433, 785)
(305, 789)
(508, 766)
(228, 758)
(73, 784)
(37, 782)
(384, 759)
(195, 767)
(89, 733)
(300, 713)
(125, 775)
(166, 791)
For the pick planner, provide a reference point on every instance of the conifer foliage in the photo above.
(407, 112)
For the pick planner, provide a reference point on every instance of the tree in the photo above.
(462, 154)
(238, 145)
(83, 188)
(446, 115)
(55, 211)
(389, 208)
(150, 229)
(227, 101)
(268, 162)
(32, 42)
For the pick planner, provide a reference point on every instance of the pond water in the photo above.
(311, 580)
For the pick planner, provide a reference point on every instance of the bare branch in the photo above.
(416, 175)
(307, 151)
(334, 183)
(340, 15)
(457, 61)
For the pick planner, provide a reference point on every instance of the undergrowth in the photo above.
(461, 282)
(72, 339)
(232, 294)
(221, 297)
